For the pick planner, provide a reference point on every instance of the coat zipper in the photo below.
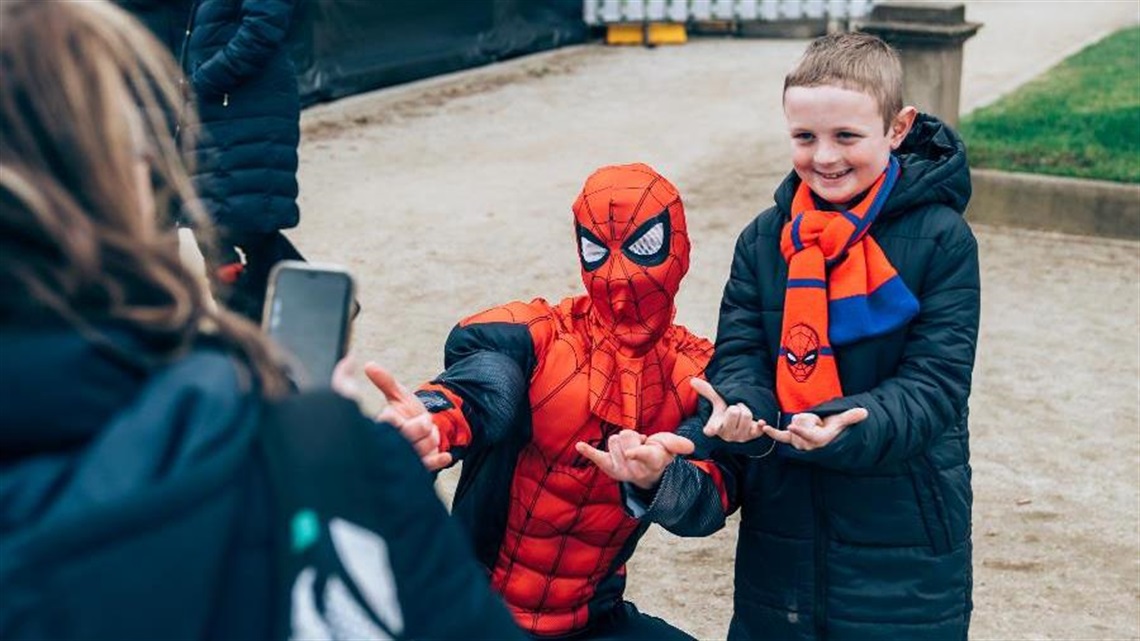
(819, 608)
(182, 53)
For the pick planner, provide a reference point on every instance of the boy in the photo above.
(534, 392)
(849, 321)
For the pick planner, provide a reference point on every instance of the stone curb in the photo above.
(1066, 205)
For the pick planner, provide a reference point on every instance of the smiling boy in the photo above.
(848, 325)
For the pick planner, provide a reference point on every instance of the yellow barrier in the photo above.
(653, 33)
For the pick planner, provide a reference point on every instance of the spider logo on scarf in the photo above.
(801, 351)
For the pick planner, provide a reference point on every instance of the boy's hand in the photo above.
(635, 458)
(407, 414)
(807, 431)
(732, 424)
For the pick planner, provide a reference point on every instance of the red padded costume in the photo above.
(551, 527)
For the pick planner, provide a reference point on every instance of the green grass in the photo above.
(1079, 119)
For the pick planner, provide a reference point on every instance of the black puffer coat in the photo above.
(869, 537)
(239, 67)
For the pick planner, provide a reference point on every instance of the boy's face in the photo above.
(839, 146)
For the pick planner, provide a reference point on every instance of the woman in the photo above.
(158, 478)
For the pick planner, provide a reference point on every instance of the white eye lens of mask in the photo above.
(591, 251)
(650, 242)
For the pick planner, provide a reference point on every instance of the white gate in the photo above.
(602, 12)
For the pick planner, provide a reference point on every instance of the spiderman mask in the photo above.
(634, 251)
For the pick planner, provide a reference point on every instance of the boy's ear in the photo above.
(901, 125)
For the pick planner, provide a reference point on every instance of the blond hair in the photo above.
(855, 61)
(86, 95)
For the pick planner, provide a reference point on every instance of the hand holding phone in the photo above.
(308, 313)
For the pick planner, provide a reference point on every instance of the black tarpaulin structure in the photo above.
(344, 47)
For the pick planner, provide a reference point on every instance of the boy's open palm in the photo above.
(732, 424)
(632, 457)
(407, 413)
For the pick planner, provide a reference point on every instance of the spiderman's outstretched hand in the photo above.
(407, 413)
(734, 423)
(635, 458)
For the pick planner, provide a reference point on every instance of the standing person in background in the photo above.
(850, 321)
(159, 478)
(236, 61)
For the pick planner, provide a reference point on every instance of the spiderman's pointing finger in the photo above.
(399, 397)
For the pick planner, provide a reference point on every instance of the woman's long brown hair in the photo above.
(86, 95)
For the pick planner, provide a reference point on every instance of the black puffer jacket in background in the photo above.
(239, 67)
(869, 537)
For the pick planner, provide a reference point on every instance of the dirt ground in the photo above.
(451, 195)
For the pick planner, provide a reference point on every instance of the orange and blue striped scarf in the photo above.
(841, 289)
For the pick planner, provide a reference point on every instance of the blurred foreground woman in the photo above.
(158, 476)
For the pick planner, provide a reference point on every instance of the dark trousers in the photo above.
(625, 623)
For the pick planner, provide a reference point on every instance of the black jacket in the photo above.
(145, 501)
(238, 64)
(869, 537)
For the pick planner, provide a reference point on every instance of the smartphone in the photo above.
(308, 312)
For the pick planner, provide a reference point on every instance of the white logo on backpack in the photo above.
(364, 556)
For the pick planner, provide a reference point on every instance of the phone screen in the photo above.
(307, 314)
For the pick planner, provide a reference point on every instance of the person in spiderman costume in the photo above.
(564, 414)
